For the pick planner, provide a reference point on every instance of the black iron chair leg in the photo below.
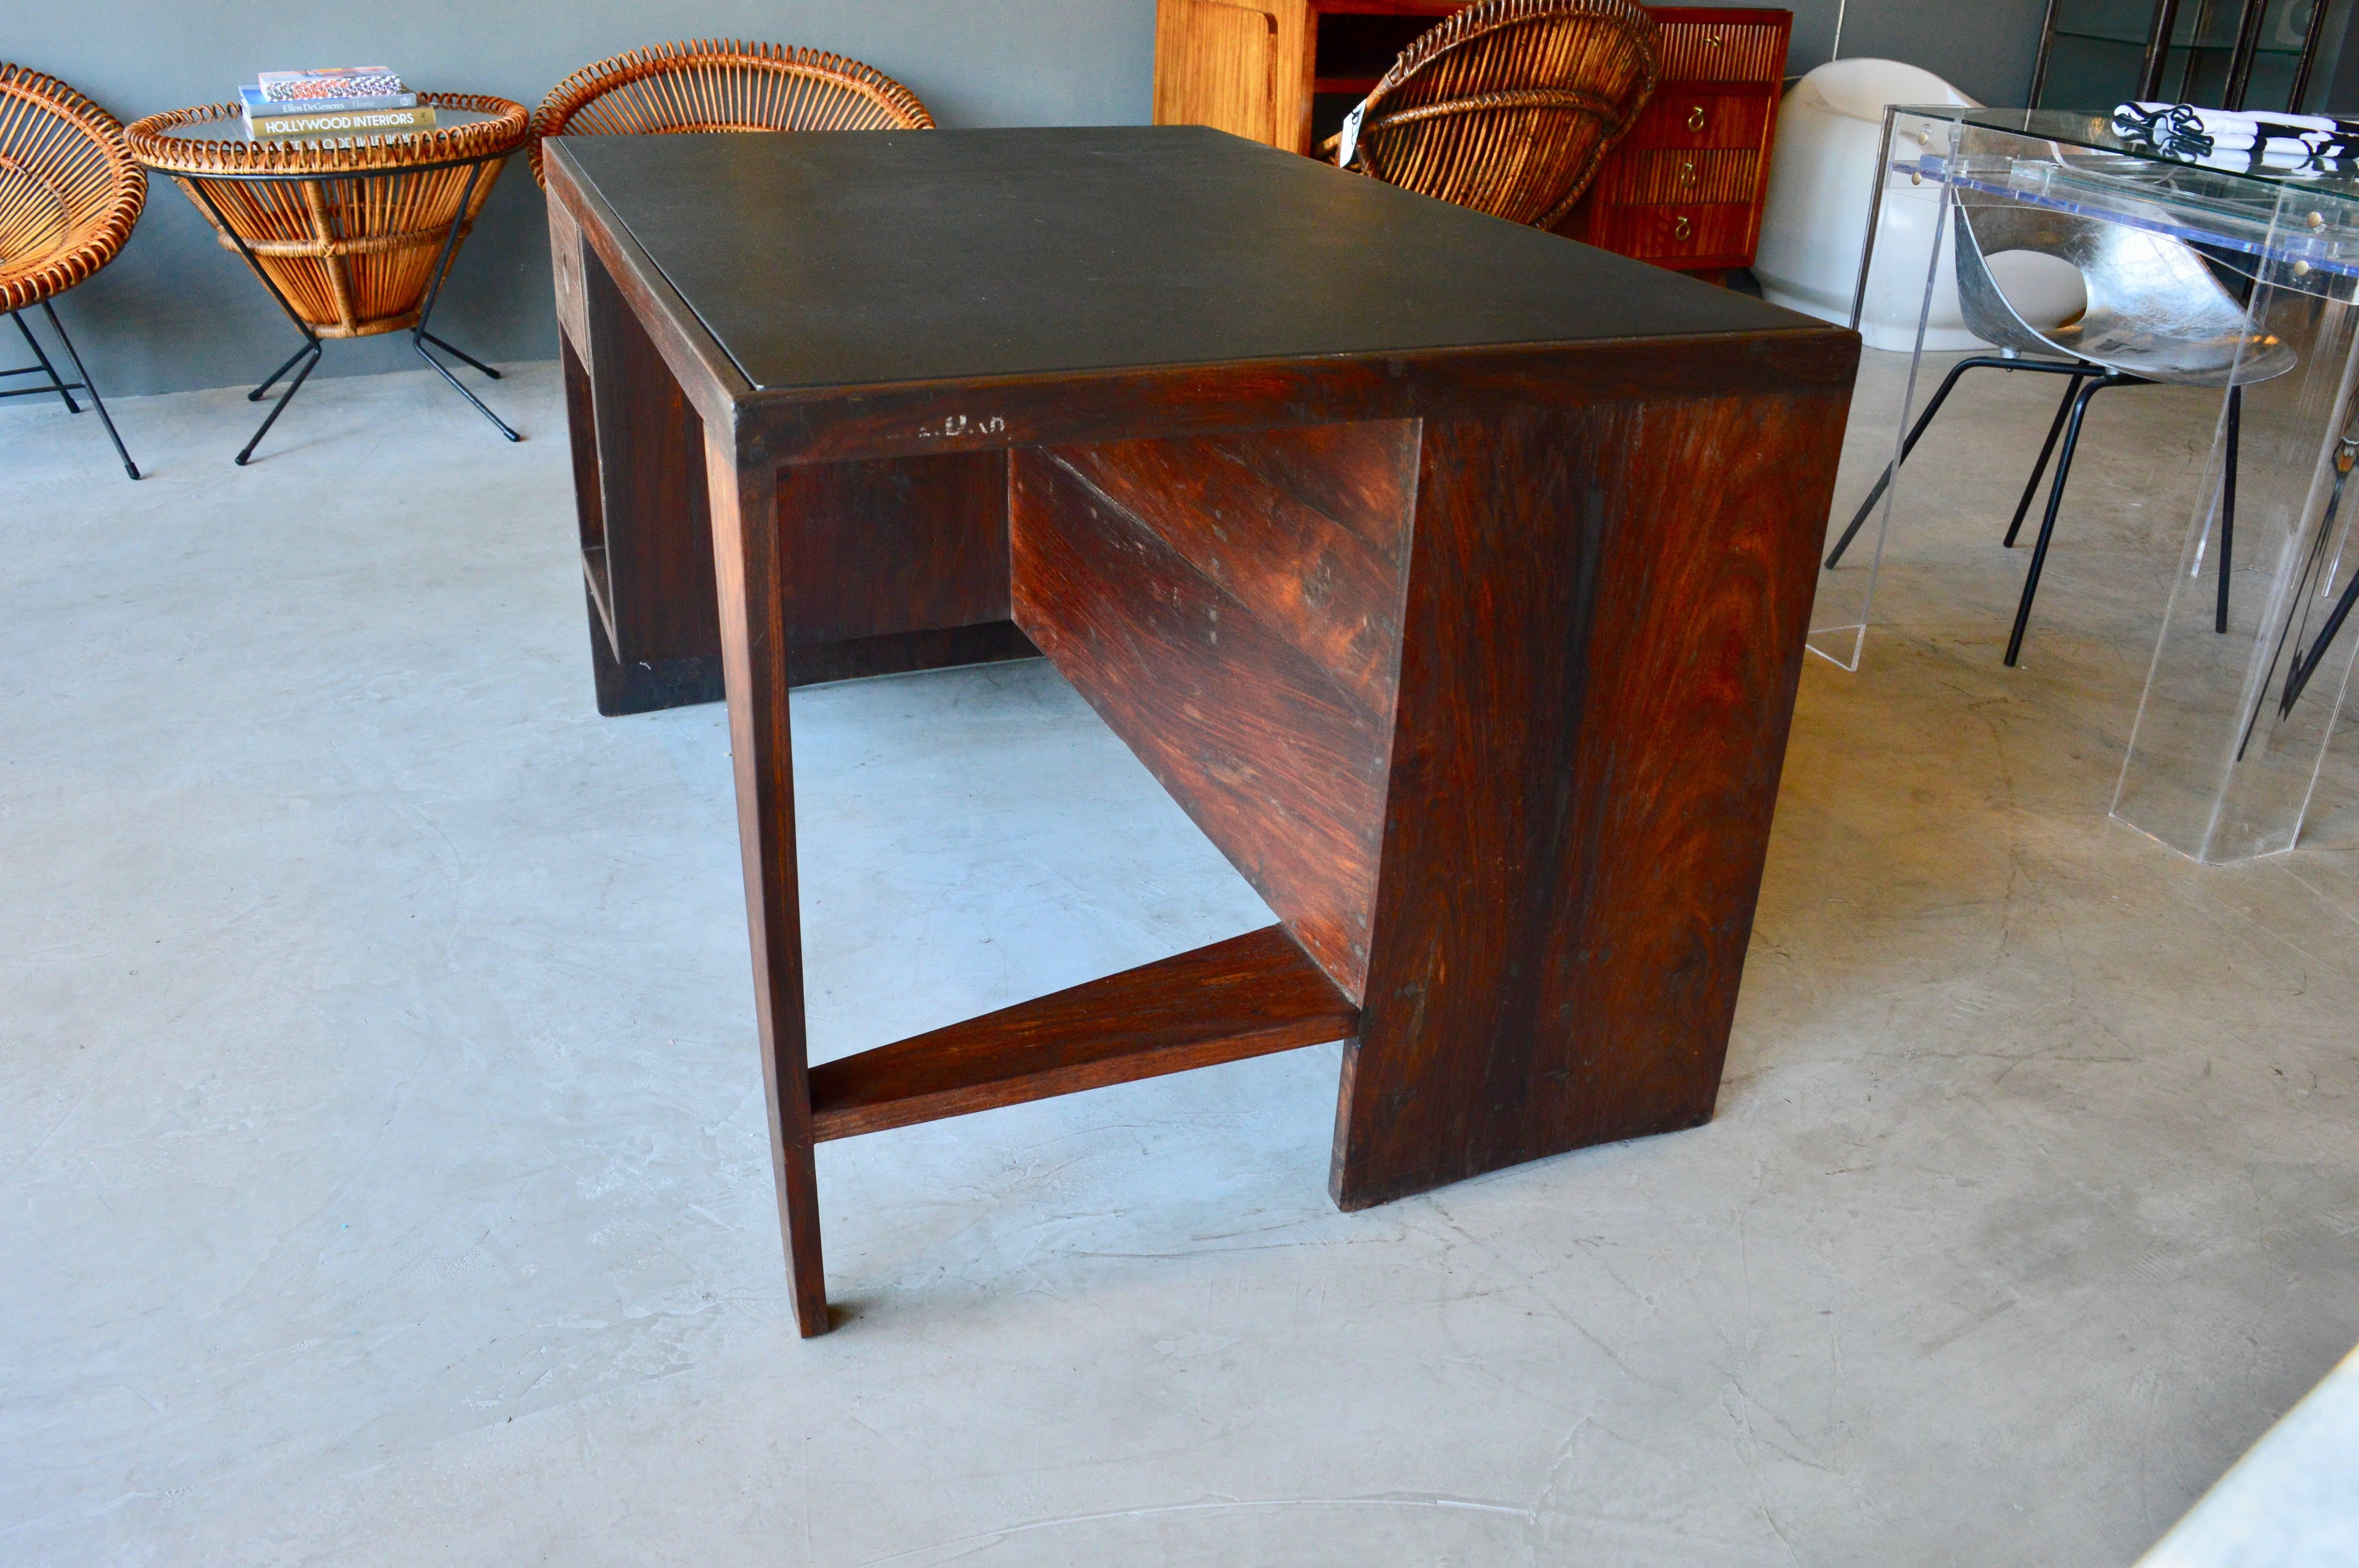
(457, 352)
(2305, 665)
(259, 393)
(284, 399)
(1883, 480)
(1979, 361)
(90, 387)
(2046, 450)
(419, 336)
(2055, 500)
(2228, 504)
(460, 387)
(57, 382)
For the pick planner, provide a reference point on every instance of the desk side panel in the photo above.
(1605, 617)
(1307, 529)
(1184, 644)
(897, 544)
(658, 520)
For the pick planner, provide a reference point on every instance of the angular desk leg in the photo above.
(743, 488)
(1583, 767)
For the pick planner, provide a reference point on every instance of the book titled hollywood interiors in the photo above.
(351, 123)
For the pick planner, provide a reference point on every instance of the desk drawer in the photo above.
(1680, 116)
(1711, 51)
(1673, 232)
(1687, 176)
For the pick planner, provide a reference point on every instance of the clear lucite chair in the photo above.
(2155, 314)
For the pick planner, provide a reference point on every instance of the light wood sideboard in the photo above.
(1683, 190)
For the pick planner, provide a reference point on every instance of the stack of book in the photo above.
(341, 101)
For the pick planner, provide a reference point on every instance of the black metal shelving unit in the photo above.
(2225, 54)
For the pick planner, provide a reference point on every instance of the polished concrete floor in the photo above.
(383, 1170)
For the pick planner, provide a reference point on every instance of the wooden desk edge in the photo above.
(703, 369)
(904, 419)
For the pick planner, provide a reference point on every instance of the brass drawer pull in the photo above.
(1695, 118)
(1681, 229)
(1712, 41)
(1687, 174)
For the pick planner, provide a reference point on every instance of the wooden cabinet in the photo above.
(1235, 65)
(1682, 189)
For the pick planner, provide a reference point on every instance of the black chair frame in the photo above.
(64, 389)
(2084, 382)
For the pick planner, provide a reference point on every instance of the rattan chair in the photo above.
(723, 85)
(69, 195)
(1510, 106)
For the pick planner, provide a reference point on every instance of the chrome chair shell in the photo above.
(2155, 311)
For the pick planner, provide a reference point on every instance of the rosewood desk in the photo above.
(1452, 575)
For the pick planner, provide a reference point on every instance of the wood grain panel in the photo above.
(590, 522)
(1219, 64)
(1248, 996)
(1364, 475)
(646, 686)
(1584, 771)
(1329, 586)
(1280, 765)
(910, 544)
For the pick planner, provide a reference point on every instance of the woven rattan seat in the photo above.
(724, 85)
(69, 195)
(1510, 106)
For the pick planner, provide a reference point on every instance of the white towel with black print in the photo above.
(2227, 138)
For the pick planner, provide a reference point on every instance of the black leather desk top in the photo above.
(862, 257)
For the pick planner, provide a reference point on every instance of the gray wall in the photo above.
(1986, 49)
(176, 311)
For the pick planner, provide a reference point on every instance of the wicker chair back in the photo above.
(69, 190)
(1510, 105)
(724, 85)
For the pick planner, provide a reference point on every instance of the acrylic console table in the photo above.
(2254, 653)
(1453, 577)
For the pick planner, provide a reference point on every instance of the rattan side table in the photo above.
(353, 237)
